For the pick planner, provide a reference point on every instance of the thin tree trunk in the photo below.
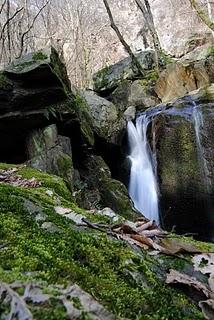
(8, 31)
(135, 62)
(210, 12)
(202, 14)
(147, 14)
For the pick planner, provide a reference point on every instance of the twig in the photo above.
(30, 27)
(8, 21)
(92, 225)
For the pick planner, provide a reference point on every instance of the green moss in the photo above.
(39, 56)
(166, 59)
(59, 69)
(79, 105)
(149, 79)
(5, 83)
(101, 79)
(51, 182)
(210, 51)
(98, 263)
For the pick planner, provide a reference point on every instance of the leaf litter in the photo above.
(9, 176)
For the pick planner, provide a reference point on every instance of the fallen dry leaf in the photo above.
(131, 241)
(7, 176)
(173, 246)
(204, 263)
(175, 276)
(207, 308)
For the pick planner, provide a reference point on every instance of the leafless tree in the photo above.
(17, 19)
(135, 61)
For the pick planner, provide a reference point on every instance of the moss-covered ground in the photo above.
(129, 284)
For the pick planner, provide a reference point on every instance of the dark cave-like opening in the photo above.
(115, 156)
(13, 146)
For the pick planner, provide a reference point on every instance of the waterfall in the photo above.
(198, 125)
(142, 185)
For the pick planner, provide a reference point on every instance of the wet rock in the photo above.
(51, 153)
(113, 193)
(184, 135)
(141, 94)
(130, 113)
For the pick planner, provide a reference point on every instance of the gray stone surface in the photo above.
(109, 77)
(50, 153)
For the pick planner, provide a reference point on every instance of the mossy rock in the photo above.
(108, 78)
(127, 283)
(5, 83)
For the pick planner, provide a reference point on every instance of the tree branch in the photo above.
(147, 14)
(204, 17)
(8, 21)
(30, 27)
(2, 6)
(135, 62)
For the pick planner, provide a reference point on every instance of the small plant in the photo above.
(39, 56)
(210, 51)
(50, 111)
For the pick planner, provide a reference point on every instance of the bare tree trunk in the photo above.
(210, 5)
(135, 62)
(202, 14)
(147, 14)
(8, 30)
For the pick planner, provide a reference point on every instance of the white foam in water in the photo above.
(198, 124)
(142, 185)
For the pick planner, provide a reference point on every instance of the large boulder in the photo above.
(33, 90)
(184, 140)
(184, 76)
(113, 193)
(34, 81)
(108, 78)
(104, 115)
(138, 93)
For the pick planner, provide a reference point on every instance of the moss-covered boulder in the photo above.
(113, 193)
(60, 272)
(109, 77)
(51, 153)
(184, 135)
(37, 79)
(138, 93)
(105, 117)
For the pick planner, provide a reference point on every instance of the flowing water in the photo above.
(198, 125)
(142, 185)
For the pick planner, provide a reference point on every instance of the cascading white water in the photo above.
(142, 185)
(198, 125)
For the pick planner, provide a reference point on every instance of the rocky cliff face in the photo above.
(179, 28)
